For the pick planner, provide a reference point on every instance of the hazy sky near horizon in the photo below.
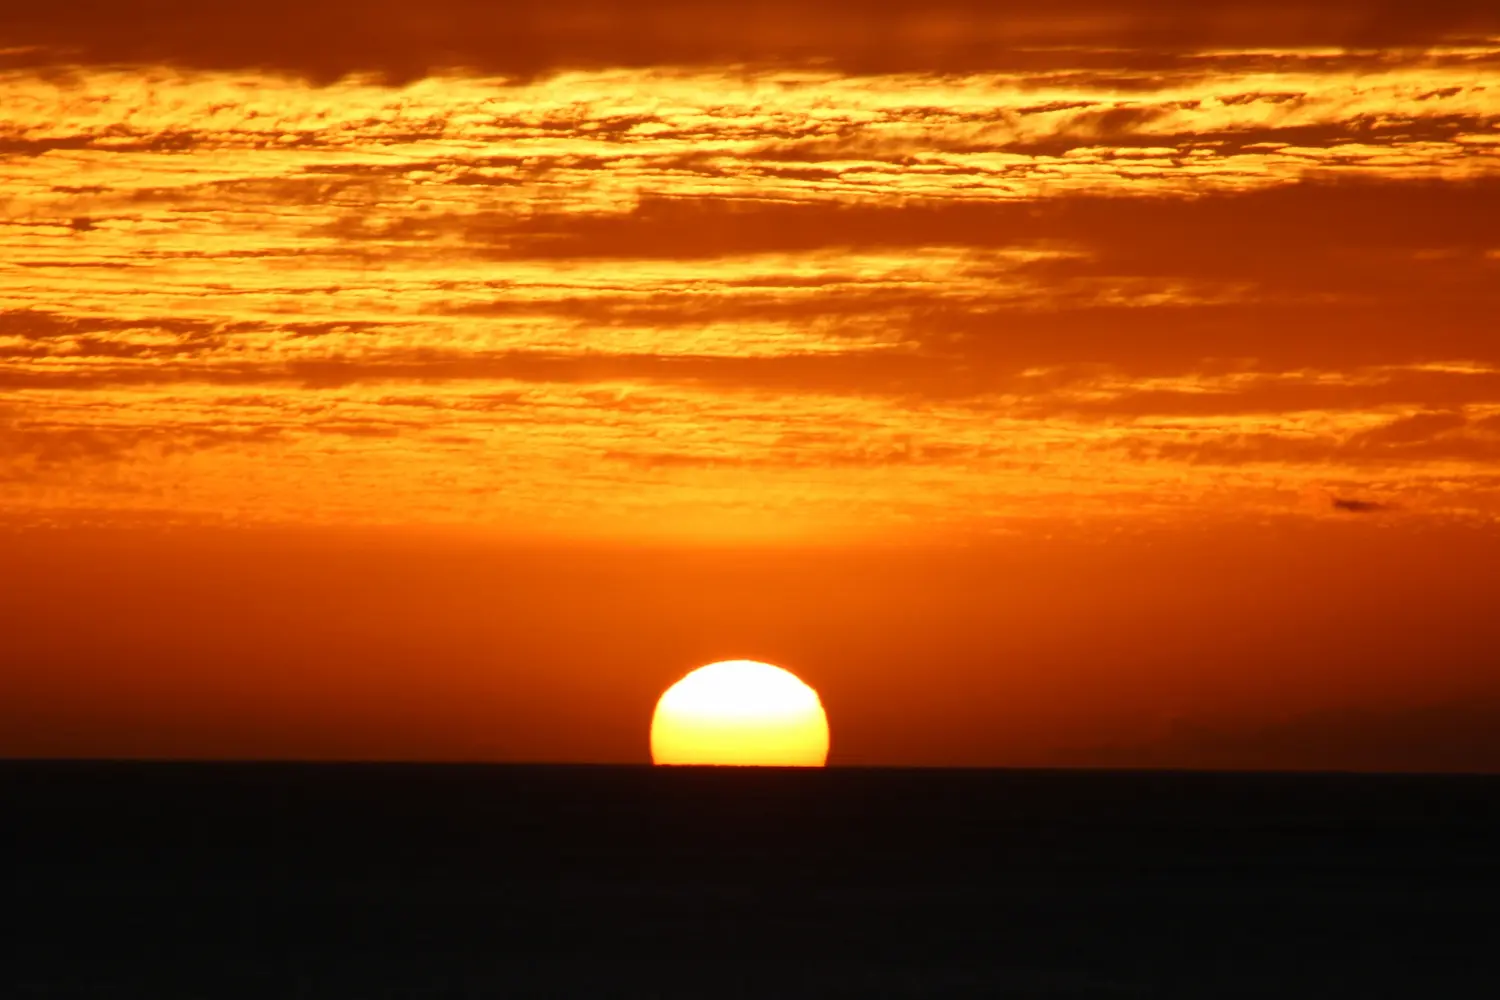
(929, 278)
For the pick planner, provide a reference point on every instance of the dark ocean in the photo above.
(171, 881)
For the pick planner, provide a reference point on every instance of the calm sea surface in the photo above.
(249, 880)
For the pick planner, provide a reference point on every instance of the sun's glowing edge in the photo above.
(740, 713)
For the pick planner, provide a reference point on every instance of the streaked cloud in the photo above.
(530, 38)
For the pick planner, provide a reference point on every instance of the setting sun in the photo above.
(740, 712)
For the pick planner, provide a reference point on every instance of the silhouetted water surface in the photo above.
(228, 880)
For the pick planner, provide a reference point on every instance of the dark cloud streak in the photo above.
(404, 41)
(1350, 506)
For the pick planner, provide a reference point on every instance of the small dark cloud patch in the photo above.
(1349, 505)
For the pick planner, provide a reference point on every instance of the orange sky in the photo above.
(1080, 383)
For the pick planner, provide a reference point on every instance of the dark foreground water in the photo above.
(308, 881)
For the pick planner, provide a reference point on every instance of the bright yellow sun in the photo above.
(740, 712)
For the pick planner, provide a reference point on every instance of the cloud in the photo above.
(1227, 233)
(1351, 506)
(326, 39)
(1330, 439)
(32, 451)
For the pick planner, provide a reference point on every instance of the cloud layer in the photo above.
(676, 278)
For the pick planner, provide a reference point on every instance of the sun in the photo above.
(740, 712)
